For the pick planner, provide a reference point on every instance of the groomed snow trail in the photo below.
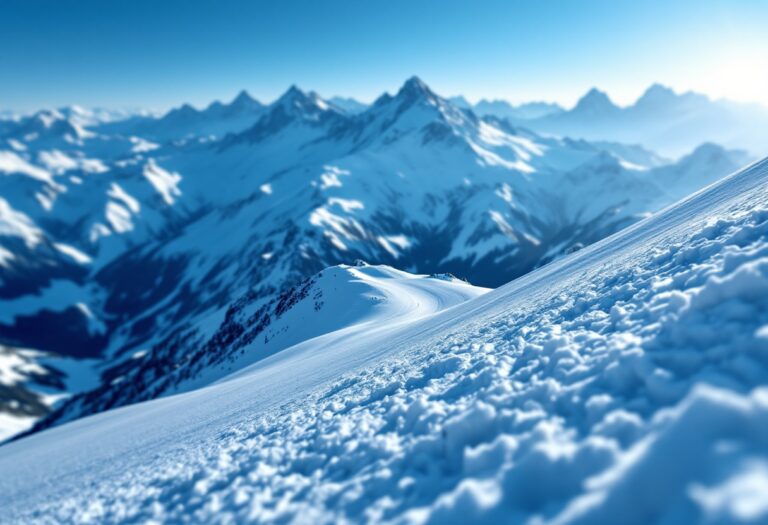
(623, 384)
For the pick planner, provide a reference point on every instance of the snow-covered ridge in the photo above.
(621, 384)
(337, 303)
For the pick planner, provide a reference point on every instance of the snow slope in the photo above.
(621, 384)
(154, 235)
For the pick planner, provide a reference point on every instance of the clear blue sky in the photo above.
(159, 53)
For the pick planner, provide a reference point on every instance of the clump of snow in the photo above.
(330, 178)
(347, 205)
(141, 145)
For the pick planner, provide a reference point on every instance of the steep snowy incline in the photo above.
(621, 384)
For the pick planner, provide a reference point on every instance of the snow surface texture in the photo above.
(622, 384)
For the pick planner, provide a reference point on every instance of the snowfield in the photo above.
(623, 384)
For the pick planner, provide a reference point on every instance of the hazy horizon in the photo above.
(233, 93)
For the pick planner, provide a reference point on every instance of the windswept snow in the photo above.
(16, 224)
(622, 384)
(11, 163)
(165, 182)
(70, 251)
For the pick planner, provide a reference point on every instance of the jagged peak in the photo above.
(292, 93)
(244, 102)
(296, 101)
(415, 87)
(215, 105)
(184, 110)
(413, 91)
(657, 88)
(243, 97)
(707, 150)
(75, 110)
(53, 122)
(48, 116)
(294, 105)
(656, 94)
(595, 99)
(493, 101)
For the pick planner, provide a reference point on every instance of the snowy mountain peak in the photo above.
(293, 106)
(245, 100)
(292, 94)
(300, 103)
(242, 104)
(47, 117)
(415, 108)
(415, 88)
(657, 92)
(50, 123)
(595, 102)
(662, 98)
(503, 109)
(710, 153)
(416, 93)
(185, 110)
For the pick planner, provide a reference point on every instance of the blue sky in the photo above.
(159, 53)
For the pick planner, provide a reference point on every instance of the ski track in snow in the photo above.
(622, 384)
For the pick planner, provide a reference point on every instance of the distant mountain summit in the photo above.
(245, 102)
(184, 122)
(656, 96)
(503, 109)
(595, 104)
(348, 104)
(298, 103)
(662, 120)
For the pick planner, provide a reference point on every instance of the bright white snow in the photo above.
(622, 384)
(165, 182)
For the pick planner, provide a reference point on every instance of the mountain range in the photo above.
(661, 120)
(162, 253)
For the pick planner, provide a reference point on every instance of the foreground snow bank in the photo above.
(623, 384)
